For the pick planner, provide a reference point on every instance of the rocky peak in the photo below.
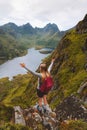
(28, 25)
(85, 18)
(82, 26)
(10, 26)
(51, 27)
(26, 28)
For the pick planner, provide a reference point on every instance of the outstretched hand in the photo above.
(22, 65)
(53, 60)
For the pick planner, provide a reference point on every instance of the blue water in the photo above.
(12, 68)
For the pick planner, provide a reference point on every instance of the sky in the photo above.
(65, 13)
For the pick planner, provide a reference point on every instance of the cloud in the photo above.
(65, 14)
(5, 8)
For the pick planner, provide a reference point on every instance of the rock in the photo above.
(82, 26)
(71, 108)
(85, 67)
(82, 87)
(19, 119)
(82, 91)
(47, 119)
(85, 46)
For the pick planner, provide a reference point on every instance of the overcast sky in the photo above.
(64, 13)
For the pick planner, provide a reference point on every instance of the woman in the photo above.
(44, 72)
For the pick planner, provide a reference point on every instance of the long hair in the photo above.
(43, 68)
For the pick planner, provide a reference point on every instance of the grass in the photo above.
(71, 73)
(73, 125)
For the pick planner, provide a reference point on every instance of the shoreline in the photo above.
(11, 68)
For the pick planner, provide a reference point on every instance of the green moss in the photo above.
(10, 126)
(73, 125)
(19, 85)
(5, 114)
(71, 72)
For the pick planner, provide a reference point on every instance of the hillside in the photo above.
(30, 36)
(10, 47)
(70, 66)
(69, 72)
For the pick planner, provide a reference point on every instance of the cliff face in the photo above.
(71, 60)
(15, 40)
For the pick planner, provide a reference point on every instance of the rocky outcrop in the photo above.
(71, 109)
(82, 87)
(19, 119)
(82, 91)
(82, 26)
(84, 48)
(32, 118)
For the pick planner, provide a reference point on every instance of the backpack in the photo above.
(47, 84)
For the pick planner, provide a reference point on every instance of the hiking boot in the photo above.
(44, 108)
(47, 108)
(40, 109)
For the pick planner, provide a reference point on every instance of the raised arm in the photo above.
(50, 66)
(34, 73)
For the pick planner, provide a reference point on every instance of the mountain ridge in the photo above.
(49, 27)
(20, 38)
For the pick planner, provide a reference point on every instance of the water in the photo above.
(46, 49)
(12, 67)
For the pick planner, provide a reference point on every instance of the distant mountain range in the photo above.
(12, 28)
(15, 40)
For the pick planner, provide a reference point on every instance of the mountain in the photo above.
(10, 28)
(26, 29)
(70, 65)
(51, 28)
(15, 40)
(10, 47)
(29, 30)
